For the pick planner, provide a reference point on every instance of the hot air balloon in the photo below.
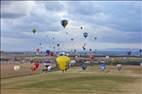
(58, 45)
(74, 50)
(16, 67)
(95, 38)
(72, 62)
(129, 53)
(72, 39)
(35, 66)
(84, 66)
(84, 48)
(102, 67)
(85, 34)
(64, 23)
(48, 52)
(81, 27)
(37, 51)
(119, 66)
(90, 50)
(63, 62)
(34, 31)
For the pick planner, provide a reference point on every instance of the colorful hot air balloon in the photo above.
(63, 62)
(64, 23)
(85, 34)
(48, 52)
(102, 67)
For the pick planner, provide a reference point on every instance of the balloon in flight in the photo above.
(72, 39)
(81, 27)
(34, 31)
(64, 23)
(85, 34)
(58, 45)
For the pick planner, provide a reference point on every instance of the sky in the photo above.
(116, 24)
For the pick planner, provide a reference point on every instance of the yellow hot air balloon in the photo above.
(63, 62)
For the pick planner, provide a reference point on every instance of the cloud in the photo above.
(112, 23)
(13, 9)
(107, 34)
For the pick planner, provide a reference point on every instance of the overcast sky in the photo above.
(115, 24)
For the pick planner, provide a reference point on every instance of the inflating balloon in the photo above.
(34, 30)
(72, 62)
(35, 66)
(48, 52)
(84, 66)
(85, 34)
(49, 68)
(102, 67)
(64, 23)
(119, 66)
(63, 62)
(16, 67)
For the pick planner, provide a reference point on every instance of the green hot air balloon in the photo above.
(34, 31)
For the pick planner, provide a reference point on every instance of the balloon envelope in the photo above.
(58, 45)
(34, 30)
(64, 23)
(49, 67)
(63, 62)
(102, 67)
(47, 52)
(85, 34)
(72, 61)
(16, 67)
(72, 39)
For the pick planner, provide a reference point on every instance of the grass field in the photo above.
(77, 81)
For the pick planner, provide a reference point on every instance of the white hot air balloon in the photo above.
(16, 67)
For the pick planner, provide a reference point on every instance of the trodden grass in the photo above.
(77, 81)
